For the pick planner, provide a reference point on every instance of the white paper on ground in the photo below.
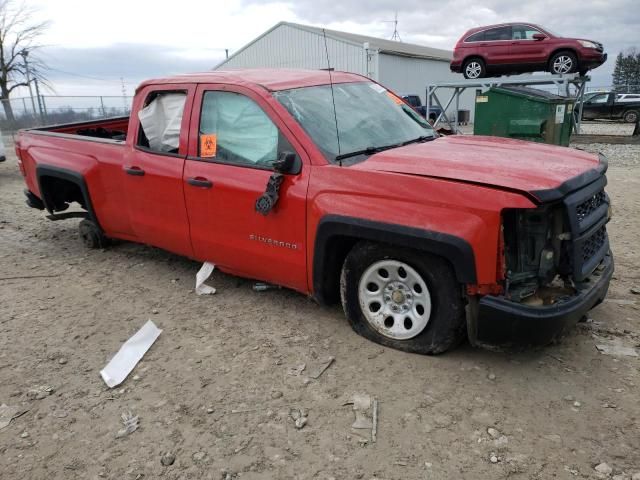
(130, 354)
(202, 275)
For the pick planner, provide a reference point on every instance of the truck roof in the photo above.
(270, 78)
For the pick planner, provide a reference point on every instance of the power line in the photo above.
(82, 76)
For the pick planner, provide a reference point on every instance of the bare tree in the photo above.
(19, 36)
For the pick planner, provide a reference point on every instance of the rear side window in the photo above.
(476, 37)
(160, 121)
(500, 33)
(234, 129)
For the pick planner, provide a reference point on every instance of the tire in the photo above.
(474, 68)
(91, 235)
(429, 316)
(630, 116)
(563, 62)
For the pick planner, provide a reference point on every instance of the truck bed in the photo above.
(110, 128)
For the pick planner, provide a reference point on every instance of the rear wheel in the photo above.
(92, 236)
(630, 116)
(474, 68)
(402, 298)
(563, 62)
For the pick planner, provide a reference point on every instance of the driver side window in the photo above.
(235, 130)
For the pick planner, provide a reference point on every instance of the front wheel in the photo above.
(563, 62)
(402, 298)
(630, 116)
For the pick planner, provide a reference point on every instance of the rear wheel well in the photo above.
(57, 193)
(473, 57)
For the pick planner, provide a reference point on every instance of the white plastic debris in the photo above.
(130, 354)
(130, 422)
(205, 272)
(617, 350)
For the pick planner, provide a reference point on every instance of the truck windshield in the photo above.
(369, 119)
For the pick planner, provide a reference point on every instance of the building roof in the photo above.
(390, 47)
(269, 78)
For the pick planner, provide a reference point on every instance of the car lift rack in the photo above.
(562, 82)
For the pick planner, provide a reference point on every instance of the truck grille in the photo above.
(590, 205)
(587, 211)
(594, 243)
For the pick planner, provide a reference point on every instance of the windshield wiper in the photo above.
(422, 138)
(368, 151)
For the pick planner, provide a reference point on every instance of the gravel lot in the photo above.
(218, 393)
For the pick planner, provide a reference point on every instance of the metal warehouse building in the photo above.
(405, 68)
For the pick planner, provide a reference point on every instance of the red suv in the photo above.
(522, 47)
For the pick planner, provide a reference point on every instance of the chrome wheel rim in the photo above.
(562, 64)
(473, 69)
(394, 299)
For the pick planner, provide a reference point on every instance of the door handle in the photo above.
(133, 170)
(199, 182)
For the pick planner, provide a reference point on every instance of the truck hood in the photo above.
(544, 171)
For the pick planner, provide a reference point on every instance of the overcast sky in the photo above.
(91, 45)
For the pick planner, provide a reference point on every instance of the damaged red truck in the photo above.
(425, 240)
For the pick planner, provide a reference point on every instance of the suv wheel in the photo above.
(474, 68)
(404, 299)
(563, 62)
(631, 116)
(91, 235)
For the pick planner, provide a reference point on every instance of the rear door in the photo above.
(237, 137)
(152, 169)
(524, 49)
(497, 46)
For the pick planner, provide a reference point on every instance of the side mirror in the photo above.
(288, 162)
(539, 36)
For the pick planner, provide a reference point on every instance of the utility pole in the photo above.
(125, 104)
(35, 82)
(24, 54)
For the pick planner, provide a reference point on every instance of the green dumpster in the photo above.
(524, 113)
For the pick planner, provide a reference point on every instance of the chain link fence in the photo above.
(25, 112)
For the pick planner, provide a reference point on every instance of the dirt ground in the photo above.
(217, 389)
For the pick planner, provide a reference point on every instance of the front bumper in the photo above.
(499, 322)
(592, 59)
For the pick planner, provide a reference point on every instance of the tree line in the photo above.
(626, 72)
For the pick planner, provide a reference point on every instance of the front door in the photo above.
(152, 169)
(230, 163)
(524, 48)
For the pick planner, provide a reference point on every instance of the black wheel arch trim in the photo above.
(70, 176)
(452, 248)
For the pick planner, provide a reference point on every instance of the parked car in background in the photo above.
(609, 106)
(415, 103)
(628, 97)
(522, 47)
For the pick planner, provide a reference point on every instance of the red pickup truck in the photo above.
(283, 176)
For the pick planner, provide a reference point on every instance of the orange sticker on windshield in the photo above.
(208, 145)
(395, 98)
